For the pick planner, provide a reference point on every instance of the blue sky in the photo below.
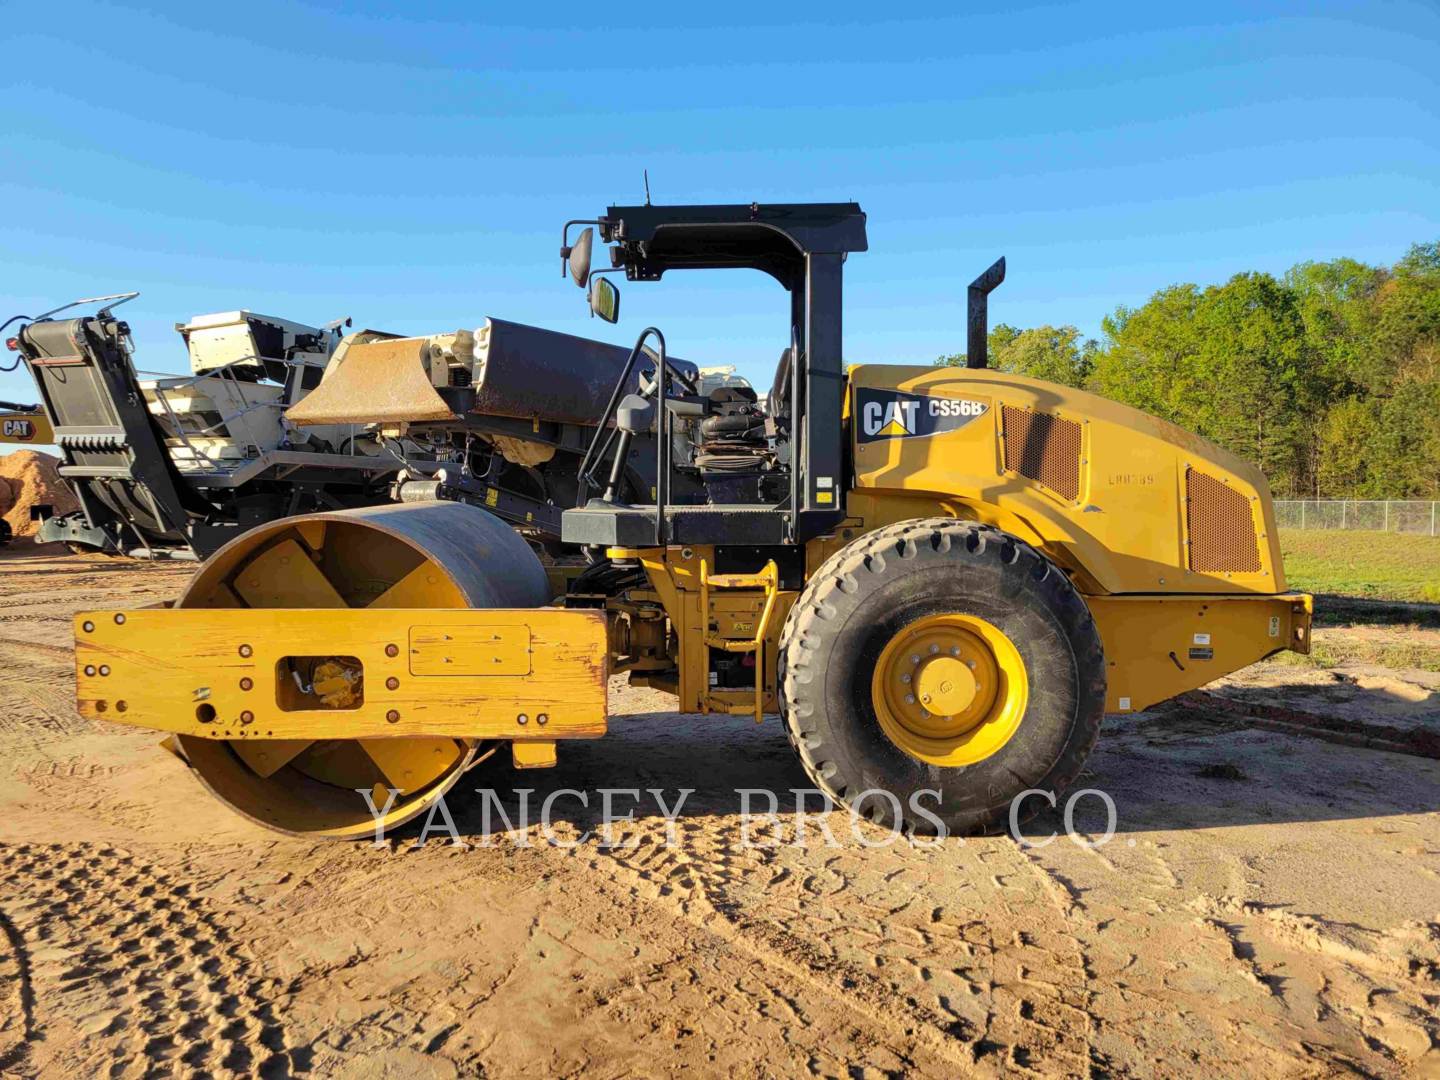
(411, 166)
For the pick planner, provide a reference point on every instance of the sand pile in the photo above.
(29, 478)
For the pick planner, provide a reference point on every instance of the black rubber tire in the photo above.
(881, 582)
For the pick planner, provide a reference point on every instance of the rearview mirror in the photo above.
(580, 258)
(604, 298)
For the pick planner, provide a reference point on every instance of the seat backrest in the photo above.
(779, 400)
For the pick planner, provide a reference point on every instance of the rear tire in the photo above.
(916, 593)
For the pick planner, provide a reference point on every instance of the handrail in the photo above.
(664, 432)
(225, 373)
(797, 416)
(219, 372)
(602, 432)
(590, 460)
(195, 452)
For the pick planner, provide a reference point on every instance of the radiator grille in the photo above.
(1043, 447)
(1221, 527)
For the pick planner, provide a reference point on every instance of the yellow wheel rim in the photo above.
(950, 689)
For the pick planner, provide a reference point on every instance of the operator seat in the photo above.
(778, 403)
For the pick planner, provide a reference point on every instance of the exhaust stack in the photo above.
(976, 354)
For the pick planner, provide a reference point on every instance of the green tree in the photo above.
(1337, 302)
(1055, 354)
(1405, 455)
(1347, 434)
(1256, 382)
(1149, 354)
(1328, 378)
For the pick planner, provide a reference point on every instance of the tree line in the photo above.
(1327, 377)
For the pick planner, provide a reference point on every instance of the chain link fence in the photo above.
(1373, 515)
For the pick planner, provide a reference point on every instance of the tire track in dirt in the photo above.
(17, 1023)
(152, 982)
(1009, 994)
(689, 892)
(1385, 984)
(62, 655)
(1366, 998)
(1039, 967)
(27, 703)
(36, 688)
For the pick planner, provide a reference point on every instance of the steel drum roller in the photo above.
(435, 555)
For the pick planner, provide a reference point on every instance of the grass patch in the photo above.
(1373, 565)
(1334, 610)
(1395, 655)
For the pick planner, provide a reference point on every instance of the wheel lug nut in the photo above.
(954, 650)
(909, 699)
(970, 664)
(934, 649)
(914, 659)
(905, 678)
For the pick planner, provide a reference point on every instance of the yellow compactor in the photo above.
(939, 578)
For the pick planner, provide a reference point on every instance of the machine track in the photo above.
(153, 978)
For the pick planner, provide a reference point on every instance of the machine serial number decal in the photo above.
(889, 414)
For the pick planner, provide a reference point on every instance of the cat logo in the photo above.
(894, 418)
(889, 414)
(19, 430)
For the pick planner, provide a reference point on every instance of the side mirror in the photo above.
(604, 298)
(580, 258)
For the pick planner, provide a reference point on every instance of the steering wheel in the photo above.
(649, 383)
(690, 385)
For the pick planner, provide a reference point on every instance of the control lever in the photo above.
(635, 414)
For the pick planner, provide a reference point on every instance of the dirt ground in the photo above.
(1269, 903)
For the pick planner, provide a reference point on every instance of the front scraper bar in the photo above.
(533, 674)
